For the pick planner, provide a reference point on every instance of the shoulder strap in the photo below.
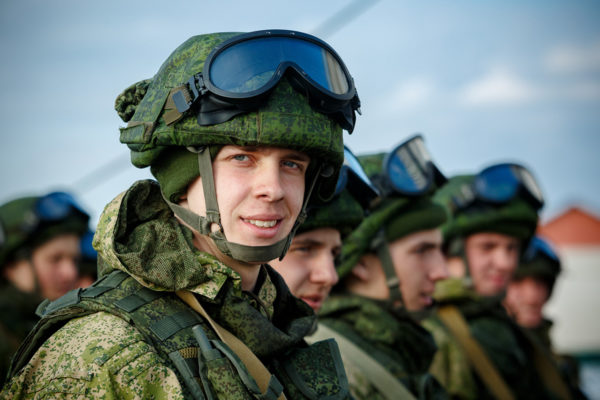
(547, 369)
(266, 382)
(482, 365)
(383, 380)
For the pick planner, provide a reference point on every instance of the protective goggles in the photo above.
(409, 170)
(242, 71)
(539, 247)
(52, 207)
(353, 177)
(499, 184)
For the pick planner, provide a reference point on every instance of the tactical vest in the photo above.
(189, 346)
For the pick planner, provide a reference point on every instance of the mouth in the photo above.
(314, 301)
(261, 223)
(264, 227)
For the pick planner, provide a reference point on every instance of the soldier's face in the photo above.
(308, 268)
(492, 259)
(419, 263)
(525, 299)
(259, 190)
(55, 265)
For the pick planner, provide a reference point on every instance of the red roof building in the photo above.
(574, 227)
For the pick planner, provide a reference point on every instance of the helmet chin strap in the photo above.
(379, 244)
(203, 225)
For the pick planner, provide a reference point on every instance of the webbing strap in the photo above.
(137, 299)
(103, 285)
(547, 369)
(386, 383)
(479, 360)
(391, 278)
(259, 372)
(171, 324)
(187, 374)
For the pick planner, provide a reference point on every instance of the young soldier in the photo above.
(39, 252)
(389, 265)
(309, 266)
(482, 353)
(239, 131)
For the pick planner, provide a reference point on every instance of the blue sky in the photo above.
(483, 81)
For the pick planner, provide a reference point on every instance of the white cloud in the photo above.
(412, 93)
(499, 86)
(570, 59)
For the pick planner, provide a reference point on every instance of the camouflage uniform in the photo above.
(102, 355)
(391, 337)
(385, 331)
(505, 344)
(502, 340)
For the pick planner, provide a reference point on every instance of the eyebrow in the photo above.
(426, 245)
(291, 154)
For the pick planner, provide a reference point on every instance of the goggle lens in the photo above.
(500, 183)
(249, 65)
(55, 206)
(354, 177)
(538, 245)
(409, 167)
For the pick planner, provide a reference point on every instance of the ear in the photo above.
(361, 271)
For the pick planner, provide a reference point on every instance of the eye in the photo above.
(291, 164)
(240, 157)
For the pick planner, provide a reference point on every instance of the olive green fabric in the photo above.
(286, 120)
(517, 218)
(137, 234)
(502, 340)
(391, 337)
(343, 213)
(18, 242)
(17, 318)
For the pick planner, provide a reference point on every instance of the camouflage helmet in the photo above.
(539, 261)
(393, 218)
(343, 213)
(157, 129)
(516, 218)
(28, 222)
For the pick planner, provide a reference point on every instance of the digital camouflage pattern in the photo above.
(102, 355)
(391, 337)
(502, 340)
(343, 213)
(286, 119)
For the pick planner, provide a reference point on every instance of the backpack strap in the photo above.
(386, 383)
(269, 386)
(487, 372)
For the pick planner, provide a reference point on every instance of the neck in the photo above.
(248, 271)
(456, 267)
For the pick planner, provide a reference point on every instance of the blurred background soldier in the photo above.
(88, 265)
(39, 255)
(531, 287)
(482, 352)
(309, 267)
(388, 268)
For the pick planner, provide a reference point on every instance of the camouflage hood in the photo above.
(138, 234)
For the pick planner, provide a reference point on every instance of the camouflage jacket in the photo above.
(17, 318)
(391, 337)
(106, 353)
(502, 340)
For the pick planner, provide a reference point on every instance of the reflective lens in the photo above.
(409, 168)
(353, 177)
(539, 246)
(249, 65)
(500, 183)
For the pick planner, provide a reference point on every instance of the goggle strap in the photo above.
(383, 253)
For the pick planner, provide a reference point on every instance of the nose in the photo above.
(268, 183)
(67, 271)
(323, 270)
(438, 268)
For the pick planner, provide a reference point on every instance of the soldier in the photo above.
(481, 352)
(309, 266)
(388, 268)
(529, 290)
(239, 131)
(39, 251)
